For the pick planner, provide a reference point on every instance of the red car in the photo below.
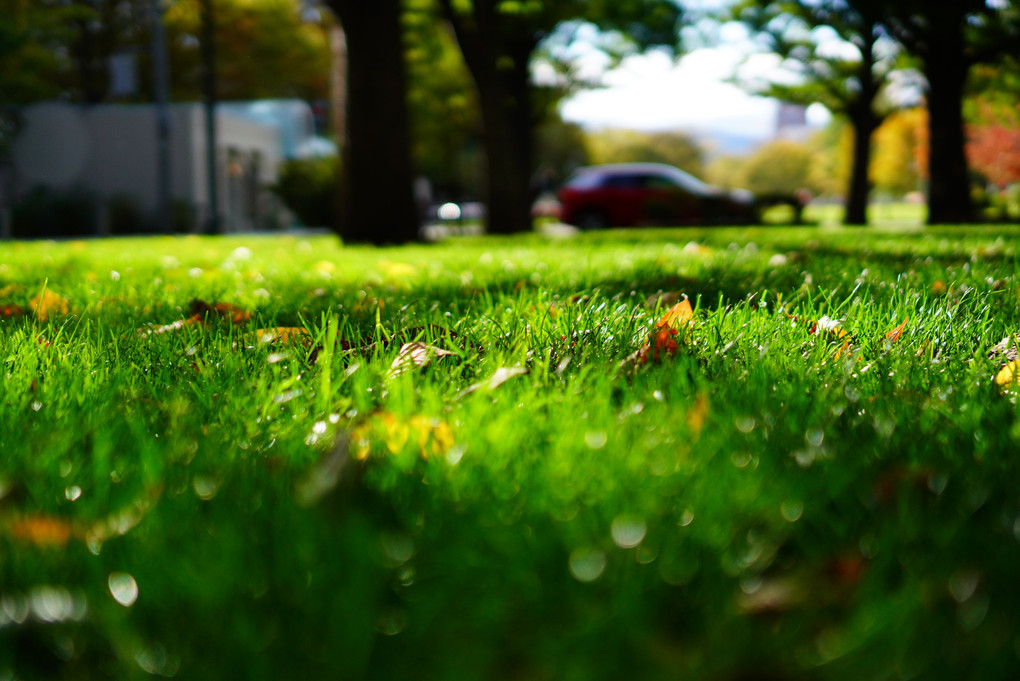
(639, 194)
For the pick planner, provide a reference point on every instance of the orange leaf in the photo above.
(42, 531)
(48, 304)
(678, 315)
(8, 311)
(663, 342)
(895, 334)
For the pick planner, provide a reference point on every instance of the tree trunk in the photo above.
(864, 120)
(377, 197)
(498, 58)
(860, 184)
(949, 189)
(507, 119)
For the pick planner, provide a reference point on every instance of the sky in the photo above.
(654, 91)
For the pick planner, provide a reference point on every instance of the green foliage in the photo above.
(781, 167)
(264, 49)
(622, 146)
(308, 188)
(192, 502)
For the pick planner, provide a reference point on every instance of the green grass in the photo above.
(766, 503)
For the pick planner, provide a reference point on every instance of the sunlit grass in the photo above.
(773, 497)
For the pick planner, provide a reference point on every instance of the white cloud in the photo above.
(652, 92)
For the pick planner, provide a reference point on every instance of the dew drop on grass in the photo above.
(455, 454)
(628, 531)
(741, 459)
(814, 437)
(963, 584)
(65, 468)
(595, 439)
(205, 487)
(72, 493)
(745, 424)
(586, 564)
(123, 588)
(792, 510)
(686, 518)
(659, 397)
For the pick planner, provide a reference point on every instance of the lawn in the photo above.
(501, 459)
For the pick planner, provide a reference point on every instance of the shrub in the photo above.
(308, 187)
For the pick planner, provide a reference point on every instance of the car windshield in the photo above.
(685, 180)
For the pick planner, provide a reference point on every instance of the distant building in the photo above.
(791, 122)
(110, 151)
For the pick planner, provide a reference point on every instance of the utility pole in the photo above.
(213, 225)
(161, 95)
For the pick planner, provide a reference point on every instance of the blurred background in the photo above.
(216, 116)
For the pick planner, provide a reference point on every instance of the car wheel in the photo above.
(592, 218)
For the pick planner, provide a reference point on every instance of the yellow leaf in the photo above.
(1008, 373)
(698, 414)
(281, 334)
(397, 270)
(48, 304)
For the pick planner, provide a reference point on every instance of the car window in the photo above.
(585, 181)
(623, 181)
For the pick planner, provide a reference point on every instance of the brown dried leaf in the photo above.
(415, 355)
(231, 313)
(43, 531)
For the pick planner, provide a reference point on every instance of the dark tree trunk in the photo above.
(860, 184)
(507, 119)
(377, 197)
(865, 121)
(499, 65)
(946, 68)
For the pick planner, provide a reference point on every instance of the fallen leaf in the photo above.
(415, 354)
(501, 376)
(42, 531)
(8, 311)
(232, 313)
(49, 304)
(281, 334)
(431, 436)
(1008, 374)
(166, 328)
(680, 314)
(895, 334)
(698, 414)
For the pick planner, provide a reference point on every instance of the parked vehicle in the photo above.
(639, 194)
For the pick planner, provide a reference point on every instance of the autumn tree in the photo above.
(949, 38)
(499, 39)
(377, 199)
(846, 76)
(894, 163)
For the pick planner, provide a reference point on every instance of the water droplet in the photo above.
(205, 487)
(963, 584)
(741, 459)
(587, 565)
(745, 424)
(814, 437)
(398, 547)
(455, 454)
(392, 621)
(595, 439)
(36, 406)
(659, 397)
(334, 419)
(123, 588)
(319, 428)
(628, 531)
(72, 493)
(686, 518)
(792, 510)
